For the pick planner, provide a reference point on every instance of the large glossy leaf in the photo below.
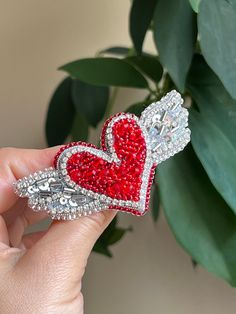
(212, 98)
(141, 14)
(60, 115)
(217, 155)
(214, 129)
(80, 129)
(200, 219)
(148, 65)
(106, 72)
(90, 100)
(195, 5)
(217, 29)
(175, 36)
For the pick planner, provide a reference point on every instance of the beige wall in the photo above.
(150, 273)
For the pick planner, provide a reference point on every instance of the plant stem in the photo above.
(111, 102)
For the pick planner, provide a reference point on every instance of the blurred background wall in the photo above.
(149, 273)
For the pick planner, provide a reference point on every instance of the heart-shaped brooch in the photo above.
(86, 179)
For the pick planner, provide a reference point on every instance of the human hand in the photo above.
(40, 272)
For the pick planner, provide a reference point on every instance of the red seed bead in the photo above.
(121, 180)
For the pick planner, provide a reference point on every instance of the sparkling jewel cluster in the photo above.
(86, 179)
(167, 124)
(47, 191)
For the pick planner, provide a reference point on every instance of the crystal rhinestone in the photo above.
(63, 201)
(154, 138)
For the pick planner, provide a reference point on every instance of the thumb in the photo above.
(66, 246)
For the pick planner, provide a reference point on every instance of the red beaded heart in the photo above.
(121, 178)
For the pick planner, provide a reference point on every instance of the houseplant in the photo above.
(196, 54)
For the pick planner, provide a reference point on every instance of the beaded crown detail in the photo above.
(86, 179)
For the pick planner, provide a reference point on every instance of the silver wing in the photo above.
(167, 124)
(47, 191)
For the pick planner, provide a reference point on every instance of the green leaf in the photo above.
(200, 219)
(212, 98)
(175, 35)
(116, 235)
(213, 131)
(90, 100)
(101, 248)
(80, 129)
(106, 72)
(155, 202)
(60, 115)
(109, 230)
(195, 5)
(148, 65)
(110, 236)
(216, 24)
(141, 14)
(137, 108)
(217, 155)
(117, 50)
